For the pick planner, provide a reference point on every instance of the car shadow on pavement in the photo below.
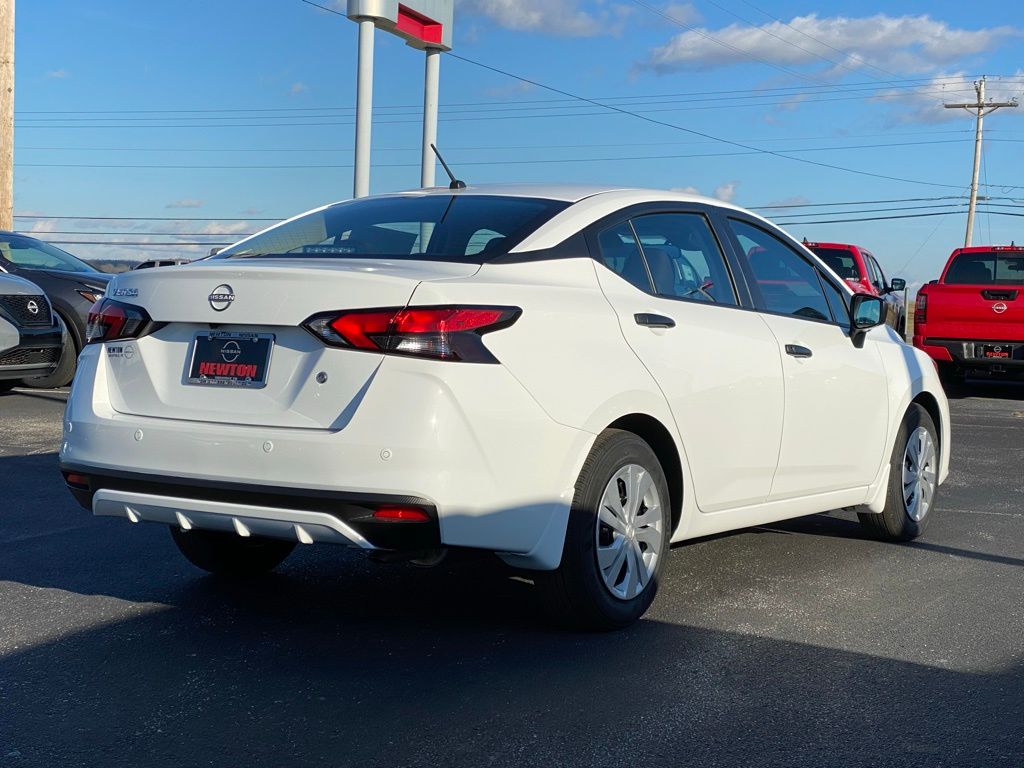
(995, 389)
(133, 658)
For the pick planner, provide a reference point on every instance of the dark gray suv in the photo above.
(71, 285)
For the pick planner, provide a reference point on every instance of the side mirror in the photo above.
(898, 284)
(866, 312)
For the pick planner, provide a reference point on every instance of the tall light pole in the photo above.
(431, 86)
(6, 114)
(364, 108)
(981, 108)
(425, 25)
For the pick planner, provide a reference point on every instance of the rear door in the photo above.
(836, 412)
(717, 364)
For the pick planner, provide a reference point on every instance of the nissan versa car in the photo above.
(31, 335)
(571, 378)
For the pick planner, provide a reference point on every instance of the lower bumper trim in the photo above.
(262, 510)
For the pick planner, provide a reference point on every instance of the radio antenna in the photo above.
(456, 183)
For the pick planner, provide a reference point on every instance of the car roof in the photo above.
(588, 203)
(841, 246)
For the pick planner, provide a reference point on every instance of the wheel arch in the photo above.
(657, 435)
(928, 401)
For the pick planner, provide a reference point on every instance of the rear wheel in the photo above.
(228, 554)
(617, 538)
(913, 481)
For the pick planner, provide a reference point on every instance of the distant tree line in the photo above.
(113, 265)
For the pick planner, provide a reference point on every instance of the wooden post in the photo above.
(6, 114)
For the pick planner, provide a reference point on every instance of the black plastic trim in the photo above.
(354, 509)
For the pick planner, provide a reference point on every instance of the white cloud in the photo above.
(554, 17)
(684, 13)
(57, 74)
(903, 44)
(297, 88)
(726, 192)
(925, 104)
(187, 203)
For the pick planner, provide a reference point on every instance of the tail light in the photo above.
(438, 333)
(111, 320)
(921, 309)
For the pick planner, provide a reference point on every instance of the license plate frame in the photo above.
(995, 351)
(249, 352)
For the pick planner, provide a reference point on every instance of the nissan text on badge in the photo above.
(569, 378)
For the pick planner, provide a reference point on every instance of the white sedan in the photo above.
(571, 378)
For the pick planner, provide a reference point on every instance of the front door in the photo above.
(836, 393)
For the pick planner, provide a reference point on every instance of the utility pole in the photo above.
(431, 85)
(364, 107)
(6, 114)
(981, 108)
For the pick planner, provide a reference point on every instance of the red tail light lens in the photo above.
(111, 320)
(439, 333)
(401, 515)
(921, 309)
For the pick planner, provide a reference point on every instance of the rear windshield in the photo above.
(840, 261)
(472, 228)
(986, 268)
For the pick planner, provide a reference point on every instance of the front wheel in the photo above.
(228, 554)
(617, 538)
(913, 481)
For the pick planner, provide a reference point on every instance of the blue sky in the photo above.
(272, 82)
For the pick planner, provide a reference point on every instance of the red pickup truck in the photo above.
(972, 318)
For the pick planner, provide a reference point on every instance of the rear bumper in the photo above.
(971, 353)
(259, 510)
(467, 443)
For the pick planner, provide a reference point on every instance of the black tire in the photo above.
(895, 523)
(575, 594)
(65, 370)
(228, 554)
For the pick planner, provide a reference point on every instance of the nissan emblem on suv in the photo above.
(221, 298)
(32, 307)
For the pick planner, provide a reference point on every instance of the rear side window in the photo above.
(472, 228)
(683, 257)
(788, 284)
(840, 261)
(621, 254)
(987, 268)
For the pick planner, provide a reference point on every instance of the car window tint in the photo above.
(838, 302)
(882, 282)
(621, 254)
(684, 258)
(839, 261)
(472, 228)
(33, 254)
(788, 284)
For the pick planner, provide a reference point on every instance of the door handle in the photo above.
(795, 350)
(650, 320)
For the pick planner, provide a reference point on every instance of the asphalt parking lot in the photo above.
(800, 644)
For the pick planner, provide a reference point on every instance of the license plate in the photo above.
(230, 359)
(997, 351)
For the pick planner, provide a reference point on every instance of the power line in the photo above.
(888, 218)
(817, 40)
(472, 163)
(701, 133)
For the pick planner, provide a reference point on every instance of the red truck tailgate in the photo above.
(975, 312)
